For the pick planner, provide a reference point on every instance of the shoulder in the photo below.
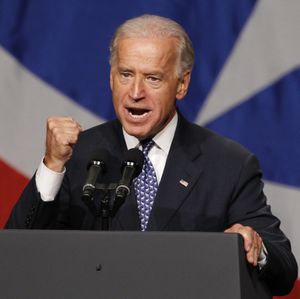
(217, 152)
(208, 141)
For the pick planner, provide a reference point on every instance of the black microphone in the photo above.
(96, 167)
(132, 167)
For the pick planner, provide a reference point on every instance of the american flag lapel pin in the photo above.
(183, 183)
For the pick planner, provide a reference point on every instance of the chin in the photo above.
(139, 135)
(136, 133)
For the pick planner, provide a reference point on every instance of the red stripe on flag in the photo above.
(12, 184)
(295, 294)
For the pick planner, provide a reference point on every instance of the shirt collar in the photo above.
(163, 139)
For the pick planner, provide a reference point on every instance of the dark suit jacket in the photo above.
(224, 187)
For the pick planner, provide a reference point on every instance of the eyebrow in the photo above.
(124, 69)
(146, 73)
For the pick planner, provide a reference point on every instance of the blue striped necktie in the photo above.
(145, 186)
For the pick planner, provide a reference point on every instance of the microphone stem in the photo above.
(105, 212)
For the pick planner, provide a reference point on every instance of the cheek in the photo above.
(116, 103)
(168, 104)
(118, 95)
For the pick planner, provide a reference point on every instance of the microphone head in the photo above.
(136, 157)
(99, 156)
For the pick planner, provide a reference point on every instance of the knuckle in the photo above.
(248, 228)
(55, 131)
(50, 122)
(60, 139)
(236, 227)
(78, 131)
(75, 138)
(49, 119)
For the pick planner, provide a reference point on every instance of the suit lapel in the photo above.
(183, 169)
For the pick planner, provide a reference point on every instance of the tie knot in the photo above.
(147, 145)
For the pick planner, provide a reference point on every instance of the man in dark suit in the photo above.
(205, 182)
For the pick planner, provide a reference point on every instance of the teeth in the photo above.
(137, 116)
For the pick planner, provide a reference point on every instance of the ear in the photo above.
(183, 85)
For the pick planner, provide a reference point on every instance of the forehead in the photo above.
(147, 51)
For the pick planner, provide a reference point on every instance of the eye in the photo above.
(125, 75)
(153, 79)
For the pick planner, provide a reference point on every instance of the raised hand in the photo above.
(62, 134)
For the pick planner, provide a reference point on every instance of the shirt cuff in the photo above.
(48, 182)
(262, 259)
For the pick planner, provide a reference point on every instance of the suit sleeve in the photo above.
(31, 212)
(249, 207)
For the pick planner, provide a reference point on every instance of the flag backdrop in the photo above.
(245, 84)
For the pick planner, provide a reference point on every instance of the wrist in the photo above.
(54, 164)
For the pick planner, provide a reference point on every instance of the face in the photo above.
(145, 86)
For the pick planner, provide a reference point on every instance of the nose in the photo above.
(137, 91)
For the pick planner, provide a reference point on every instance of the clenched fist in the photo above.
(62, 134)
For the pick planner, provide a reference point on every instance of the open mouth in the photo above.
(138, 112)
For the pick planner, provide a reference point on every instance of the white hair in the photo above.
(156, 26)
